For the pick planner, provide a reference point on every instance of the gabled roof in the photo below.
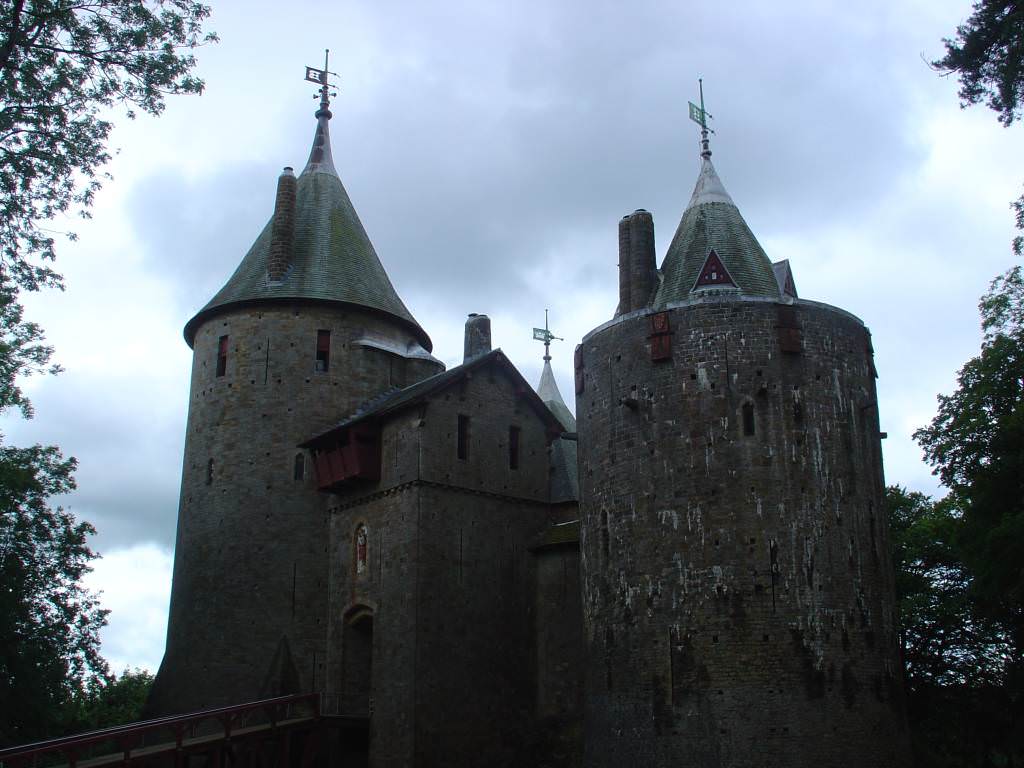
(784, 278)
(398, 400)
(333, 258)
(712, 221)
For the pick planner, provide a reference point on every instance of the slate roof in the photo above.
(333, 258)
(712, 221)
(565, 482)
(397, 399)
(784, 278)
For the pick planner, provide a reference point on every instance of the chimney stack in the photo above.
(282, 231)
(478, 337)
(638, 272)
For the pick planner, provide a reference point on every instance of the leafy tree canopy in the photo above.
(49, 623)
(116, 700)
(960, 699)
(976, 445)
(988, 55)
(62, 63)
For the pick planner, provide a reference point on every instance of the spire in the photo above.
(320, 159)
(713, 242)
(331, 257)
(547, 389)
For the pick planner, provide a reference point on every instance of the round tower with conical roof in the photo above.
(308, 327)
(738, 587)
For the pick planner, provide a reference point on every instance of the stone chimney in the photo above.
(638, 273)
(478, 337)
(282, 230)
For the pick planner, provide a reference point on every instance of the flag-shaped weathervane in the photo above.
(543, 334)
(319, 76)
(700, 116)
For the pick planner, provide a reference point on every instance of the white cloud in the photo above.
(135, 584)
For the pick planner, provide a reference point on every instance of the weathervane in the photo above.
(543, 334)
(319, 76)
(700, 116)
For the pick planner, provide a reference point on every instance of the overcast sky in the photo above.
(490, 149)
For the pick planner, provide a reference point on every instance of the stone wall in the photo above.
(738, 587)
(248, 602)
(449, 578)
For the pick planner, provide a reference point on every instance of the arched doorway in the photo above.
(357, 663)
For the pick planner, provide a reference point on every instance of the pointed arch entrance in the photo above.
(357, 662)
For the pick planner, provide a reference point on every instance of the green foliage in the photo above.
(976, 445)
(945, 641)
(988, 56)
(960, 705)
(961, 575)
(62, 64)
(106, 702)
(49, 624)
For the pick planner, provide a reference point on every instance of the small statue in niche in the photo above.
(361, 548)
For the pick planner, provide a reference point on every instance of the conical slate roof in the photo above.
(565, 484)
(712, 222)
(548, 392)
(333, 259)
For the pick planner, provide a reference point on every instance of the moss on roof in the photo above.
(712, 221)
(333, 259)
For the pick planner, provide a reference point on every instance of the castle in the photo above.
(707, 583)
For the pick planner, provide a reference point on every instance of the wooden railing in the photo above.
(178, 735)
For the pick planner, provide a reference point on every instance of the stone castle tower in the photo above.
(738, 594)
(308, 327)
(696, 572)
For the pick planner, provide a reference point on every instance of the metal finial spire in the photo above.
(319, 76)
(700, 116)
(543, 334)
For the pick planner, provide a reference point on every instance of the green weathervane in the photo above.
(543, 334)
(700, 116)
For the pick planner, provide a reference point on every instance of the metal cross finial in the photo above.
(700, 116)
(543, 334)
(319, 76)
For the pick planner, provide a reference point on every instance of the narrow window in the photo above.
(463, 437)
(513, 447)
(209, 472)
(605, 542)
(323, 351)
(748, 418)
(222, 355)
(300, 466)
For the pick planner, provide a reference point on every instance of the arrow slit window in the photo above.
(323, 351)
(222, 355)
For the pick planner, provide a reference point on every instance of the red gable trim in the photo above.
(713, 273)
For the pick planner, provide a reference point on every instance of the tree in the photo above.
(976, 445)
(63, 63)
(49, 623)
(988, 56)
(960, 708)
(105, 703)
